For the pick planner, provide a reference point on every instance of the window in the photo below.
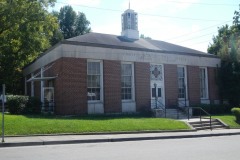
(203, 83)
(181, 82)
(93, 80)
(127, 81)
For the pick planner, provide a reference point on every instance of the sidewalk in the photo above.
(73, 139)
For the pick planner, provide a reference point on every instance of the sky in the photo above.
(189, 23)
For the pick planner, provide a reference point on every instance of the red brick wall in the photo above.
(112, 86)
(142, 86)
(70, 85)
(193, 81)
(212, 85)
(171, 85)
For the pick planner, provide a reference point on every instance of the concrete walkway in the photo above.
(73, 139)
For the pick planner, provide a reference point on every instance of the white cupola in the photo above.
(130, 24)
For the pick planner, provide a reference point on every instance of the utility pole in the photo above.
(3, 101)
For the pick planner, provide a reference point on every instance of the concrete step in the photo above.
(205, 124)
(175, 114)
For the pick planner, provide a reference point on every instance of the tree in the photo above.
(67, 17)
(57, 34)
(144, 37)
(82, 24)
(72, 24)
(25, 30)
(226, 45)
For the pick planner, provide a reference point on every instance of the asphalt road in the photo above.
(208, 148)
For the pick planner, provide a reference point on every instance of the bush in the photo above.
(33, 106)
(213, 108)
(236, 112)
(18, 104)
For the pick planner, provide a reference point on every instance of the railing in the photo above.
(48, 107)
(159, 105)
(201, 111)
(200, 114)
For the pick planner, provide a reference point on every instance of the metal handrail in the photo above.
(161, 106)
(201, 110)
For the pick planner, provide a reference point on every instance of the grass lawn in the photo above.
(229, 120)
(32, 124)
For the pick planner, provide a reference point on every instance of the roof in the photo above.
(121, 42)
(114, 41)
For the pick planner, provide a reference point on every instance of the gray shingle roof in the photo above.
(113, 41)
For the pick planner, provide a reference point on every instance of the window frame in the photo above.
(101, 80)
(206, 82)
(132, 83)
(185, 82)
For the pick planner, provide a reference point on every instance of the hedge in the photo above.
(236, 112)
(214, 109)
(18, 104)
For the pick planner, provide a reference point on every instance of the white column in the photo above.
(42, 91)
(32, 86)
(25, 86)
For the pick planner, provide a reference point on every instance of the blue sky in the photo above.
(189, 23)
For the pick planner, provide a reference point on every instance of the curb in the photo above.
(104, 140)
(109, 133)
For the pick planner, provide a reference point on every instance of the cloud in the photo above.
(108, 28)
(143, 5)
(179, 5)
(84, 2)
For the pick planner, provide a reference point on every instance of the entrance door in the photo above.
(157, 86)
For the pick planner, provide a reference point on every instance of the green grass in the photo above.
(32, 124)
(229, 120)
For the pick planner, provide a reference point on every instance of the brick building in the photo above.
(101, 73)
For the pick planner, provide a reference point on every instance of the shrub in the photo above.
(213, 108)
(18, 104)
(236, 112)
(33, 106)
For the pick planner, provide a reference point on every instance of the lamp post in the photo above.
(155, 85)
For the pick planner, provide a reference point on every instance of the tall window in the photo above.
(181, 82)
(93, 80)
(127, 81)
(203, 83)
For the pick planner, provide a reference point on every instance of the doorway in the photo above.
(157, 86)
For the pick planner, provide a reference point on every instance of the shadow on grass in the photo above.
(88, 117)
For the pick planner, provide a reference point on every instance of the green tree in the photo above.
(82, 24)
(25, 30)
(67, 17)
(144, 37)
(57, 34)
(71, 23)
(226, 45)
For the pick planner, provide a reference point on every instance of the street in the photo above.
(209, 148)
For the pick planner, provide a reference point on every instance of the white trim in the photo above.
(185, 81)
(205, 101)
(133, 83)
(25, 85)
(206, 82)
(32, 86)
(160, 83)
(90, 52)
(101, 81)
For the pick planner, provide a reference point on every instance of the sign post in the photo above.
(3, 101)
